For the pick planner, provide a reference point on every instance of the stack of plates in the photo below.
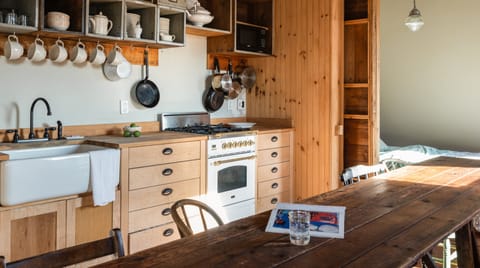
(164, 25)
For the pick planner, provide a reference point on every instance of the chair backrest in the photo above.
(183, 221)
(356, 173)
(73, 255)
(393, 163)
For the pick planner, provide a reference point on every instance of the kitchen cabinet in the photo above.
(274, 169)
(360, 92)
(32, 229)
(250, 17)
(80, 12)
(74, 8)
(21, 7)
(86, 222)
(113, 10)
(155, 177)
(177, 25)
(221, 10)
(35, 228)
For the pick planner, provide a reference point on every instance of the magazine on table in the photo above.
(325, 221)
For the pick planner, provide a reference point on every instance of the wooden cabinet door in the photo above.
(32, 230)
(86, 223)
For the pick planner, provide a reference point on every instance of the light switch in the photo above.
(124, 107)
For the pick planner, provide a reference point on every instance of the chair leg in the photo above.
(427, 261)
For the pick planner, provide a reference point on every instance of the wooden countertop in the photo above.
(153, 138)
(391, 221)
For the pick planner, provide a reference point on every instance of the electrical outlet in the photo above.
(124, 107)
(241, 104)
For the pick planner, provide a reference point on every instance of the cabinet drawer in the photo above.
(152, 237)
(269, 202)
(162, 194)
(161, 154)
(272, 187)
(273, 140)
(161, 174)
(273, 171)
(271, 156)
(149, 217)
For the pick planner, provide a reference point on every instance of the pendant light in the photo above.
(414, 21)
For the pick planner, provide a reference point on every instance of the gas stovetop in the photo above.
(207, 129)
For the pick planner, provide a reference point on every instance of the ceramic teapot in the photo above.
(101, 24)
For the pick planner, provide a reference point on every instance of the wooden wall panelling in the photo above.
(374, 80)
(299, 83)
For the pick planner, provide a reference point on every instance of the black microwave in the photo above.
(253, 39)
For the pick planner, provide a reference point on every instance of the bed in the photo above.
(418, 153)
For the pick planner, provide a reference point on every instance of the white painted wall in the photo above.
(82, 95)
(430, 90)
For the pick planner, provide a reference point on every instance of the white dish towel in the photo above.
(104, 175)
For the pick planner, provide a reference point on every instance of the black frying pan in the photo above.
(213, 99)
(146, 91)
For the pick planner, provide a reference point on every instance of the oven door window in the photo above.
(232, 178)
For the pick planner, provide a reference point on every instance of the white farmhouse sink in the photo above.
(42, 173)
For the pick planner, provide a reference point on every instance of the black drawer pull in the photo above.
(167, 191)
(167, 172)
(274, 139)
(274, 200)
(274, 185)
(166, 212)
(167, 151)
(168, 232)
(274, 170)
(274, 154)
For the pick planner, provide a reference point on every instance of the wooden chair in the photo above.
(73, 255)
(393, 163)
(184, 223)
(356, 173)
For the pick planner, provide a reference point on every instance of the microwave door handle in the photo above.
(218, 163)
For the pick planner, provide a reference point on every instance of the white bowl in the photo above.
(200, 19)
(58, 20)
(132, 129)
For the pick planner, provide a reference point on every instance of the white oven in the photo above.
(231, 168)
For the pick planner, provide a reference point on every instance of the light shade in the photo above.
(414, 21)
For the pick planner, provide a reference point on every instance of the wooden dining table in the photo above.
(391, 220)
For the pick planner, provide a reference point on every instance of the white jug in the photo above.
(101, 24)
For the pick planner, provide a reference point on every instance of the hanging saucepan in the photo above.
(214, 79)
(236, 87)
(212, 99)
(248, 77)
(226, 82)
(146, 91)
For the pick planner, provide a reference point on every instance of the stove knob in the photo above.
(224, 146)
(230, 145)
(236, 144)
(244, 143)
(250, 143)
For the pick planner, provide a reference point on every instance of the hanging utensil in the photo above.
(212, 99)
(146, 91)
(248, 77)
(214, 79)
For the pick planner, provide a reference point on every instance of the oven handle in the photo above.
(218, 163)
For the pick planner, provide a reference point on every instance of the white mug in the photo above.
(115, 56)
(116, 72)
(58, 52)
(167, 37)
(78, 54)
(12, 49)
(36, 50)
(97, 55)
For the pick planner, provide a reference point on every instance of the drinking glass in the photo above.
(299, 221)
(22, 20)
(11, 18)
